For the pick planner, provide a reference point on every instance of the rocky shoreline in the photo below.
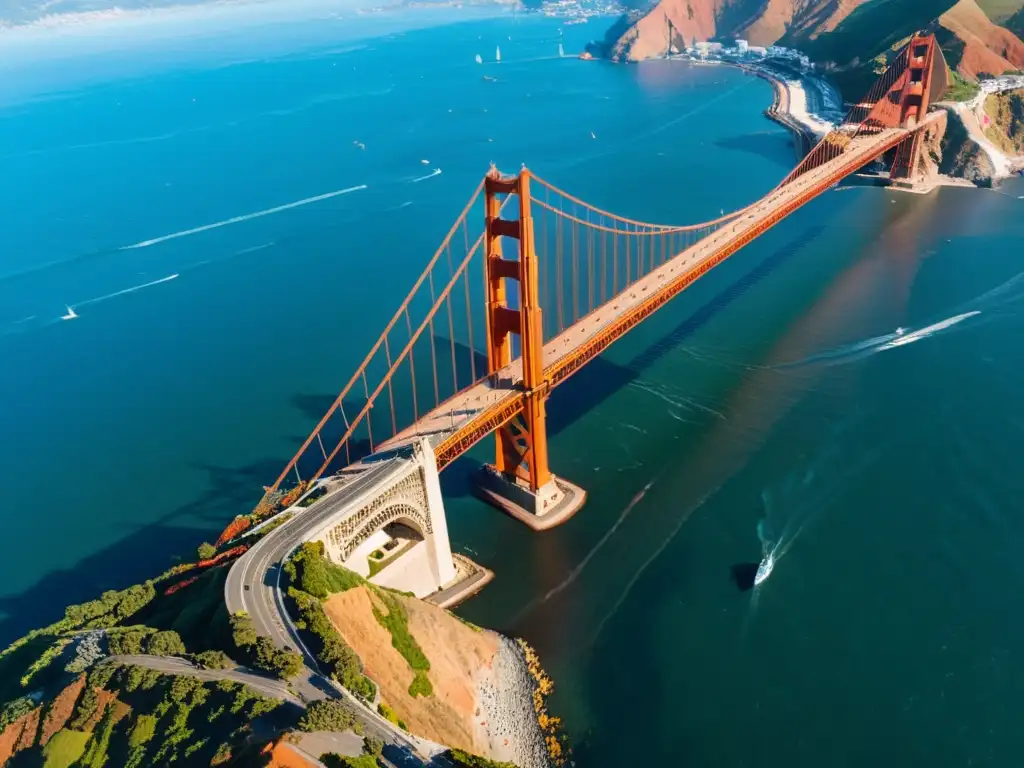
(506, 714)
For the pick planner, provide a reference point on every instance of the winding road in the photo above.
(253, 585)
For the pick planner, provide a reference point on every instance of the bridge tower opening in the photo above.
(519, 481)
(923, 81)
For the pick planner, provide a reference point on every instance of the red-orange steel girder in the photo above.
(522, 452)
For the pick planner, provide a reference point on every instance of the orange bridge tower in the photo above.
(520, 481)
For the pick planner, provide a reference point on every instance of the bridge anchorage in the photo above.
(562, 280)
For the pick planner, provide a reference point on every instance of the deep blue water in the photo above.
(771, 391)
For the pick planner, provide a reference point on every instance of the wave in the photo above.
(432, 174)
(245, 217)
(133, 289)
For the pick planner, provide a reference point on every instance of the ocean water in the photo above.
(234, 227)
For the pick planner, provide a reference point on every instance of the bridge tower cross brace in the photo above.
(520, 481)
(522, 446)
(915, 89)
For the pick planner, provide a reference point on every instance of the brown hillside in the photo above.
(987, 47)
(459, 657)
(761, 23)
(18, 732)
(61, 709)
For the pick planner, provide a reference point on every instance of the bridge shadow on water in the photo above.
(590, 387)
(601, 378)
(144, 551)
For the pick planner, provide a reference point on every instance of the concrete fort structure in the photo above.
(395, 533)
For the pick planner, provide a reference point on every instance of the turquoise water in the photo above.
(772, 392)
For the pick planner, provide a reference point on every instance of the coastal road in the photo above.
(253, 585)
(172, 665)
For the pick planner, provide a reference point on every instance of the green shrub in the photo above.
(165, 643)
(327, 715)
(344, 664)
(243, 633)
(14, 710)
(283, 663)
(390, 715)
(315, 574)
(420, 685)
(127, 643)
(396, 622)
(206, 551)
(373, 746)
(145, 728)
(466, 760)
(332, 760)
(213, 660)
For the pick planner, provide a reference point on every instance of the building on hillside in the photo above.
(741, 46)
(757, 51)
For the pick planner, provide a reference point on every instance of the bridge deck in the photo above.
(476, 411)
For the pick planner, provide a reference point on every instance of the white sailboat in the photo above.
(561, 50)
(497, 54)
(479, 59)
(70, 315)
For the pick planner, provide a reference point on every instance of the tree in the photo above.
(206, 551)
(144, 730)
(242, 630)
(327, 715)
(126, 643)
(165, 643)
(373, 746)
(214, 660)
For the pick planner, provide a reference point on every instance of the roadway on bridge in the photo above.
(500, 391)
(253, 585)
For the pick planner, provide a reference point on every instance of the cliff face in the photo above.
(962, 157)
(850, 38)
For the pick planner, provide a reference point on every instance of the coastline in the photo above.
(505, 716)
(798, 103)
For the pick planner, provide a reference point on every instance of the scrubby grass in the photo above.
(396, 622)
(65, 748)
(960, 89)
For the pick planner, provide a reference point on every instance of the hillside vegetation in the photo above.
(1006, 113)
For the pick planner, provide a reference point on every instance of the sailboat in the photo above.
(561, 50)
(497, 54)
(479, 59)
(70, 315)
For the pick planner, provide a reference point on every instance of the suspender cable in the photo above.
(412, 369)
(391, 392)
(433, 345)
(469, 313)
(451, 327)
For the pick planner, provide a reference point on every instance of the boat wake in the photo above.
(432, 174)
(245, 217)
(849, 353)
(72, 315)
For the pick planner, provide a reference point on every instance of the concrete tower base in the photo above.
(551, 505)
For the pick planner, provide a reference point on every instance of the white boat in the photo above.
(70, 315)
(561, 50)
(764, 570)
(497, 54)
(479, 59)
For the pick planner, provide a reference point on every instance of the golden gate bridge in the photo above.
(544, 282)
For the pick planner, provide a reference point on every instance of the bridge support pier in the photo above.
(519, 482)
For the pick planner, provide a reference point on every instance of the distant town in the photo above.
(580, 11)
(742, 51)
